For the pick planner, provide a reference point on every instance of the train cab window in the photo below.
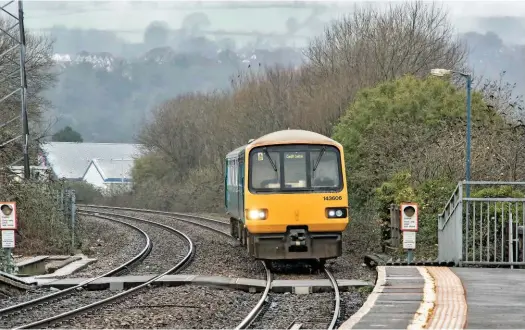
(293, 167)
(295, 171)
(263, 173)
(326, 174)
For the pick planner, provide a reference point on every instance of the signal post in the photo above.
(409, 226)
(8, 226)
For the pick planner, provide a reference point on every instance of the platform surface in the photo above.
(443, 298)
(495, 297)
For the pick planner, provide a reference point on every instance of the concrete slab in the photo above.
(25, 261)
(58, 263)
(495, 297)
(315, 286)
(245, 284)
(69, 268)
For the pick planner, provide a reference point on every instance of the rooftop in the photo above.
(114, 170)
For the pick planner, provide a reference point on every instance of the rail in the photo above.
(337, 298)
(180, 265)
(248, 320)
(175, 215)
(114, 272)
(484, 230)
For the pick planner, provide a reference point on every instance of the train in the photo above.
(286, 196)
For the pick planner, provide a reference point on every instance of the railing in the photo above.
(483, 230)
(66, 202)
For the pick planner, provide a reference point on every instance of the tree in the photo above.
(67, 134)
(418, 125)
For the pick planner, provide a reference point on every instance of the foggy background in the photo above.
(119, 59)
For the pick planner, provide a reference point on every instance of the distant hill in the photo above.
(106, 98)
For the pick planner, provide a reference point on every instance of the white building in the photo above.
(101, 164)
(110, 175)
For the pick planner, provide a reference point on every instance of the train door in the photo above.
(240, 177)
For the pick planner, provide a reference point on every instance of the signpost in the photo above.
(409, 226)
(8, 225)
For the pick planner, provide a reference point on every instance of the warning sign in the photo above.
(8, 239)
(8, 215)
(409, 240)
(409, 217)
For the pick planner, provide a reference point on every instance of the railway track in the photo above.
(262, 309)
(19, 309)
(259, 309)
(215, 225)
(34, 303)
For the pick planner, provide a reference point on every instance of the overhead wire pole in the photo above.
(20, 43)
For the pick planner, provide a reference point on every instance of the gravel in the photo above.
(111, 243)
(181, 307)
(216, 255)
(25, 296)
(168, 248)
(313, 311)
(73, 301)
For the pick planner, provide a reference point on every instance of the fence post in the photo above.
(73, 219)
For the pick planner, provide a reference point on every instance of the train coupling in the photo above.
(298, 237)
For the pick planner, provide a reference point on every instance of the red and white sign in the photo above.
(409, 217)
(8, 216)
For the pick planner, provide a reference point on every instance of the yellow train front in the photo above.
(286, 196)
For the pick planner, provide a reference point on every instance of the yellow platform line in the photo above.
(450, 310)
(424, 312)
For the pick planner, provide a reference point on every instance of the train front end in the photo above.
(296, 201)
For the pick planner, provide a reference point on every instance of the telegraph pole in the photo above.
(8, 33)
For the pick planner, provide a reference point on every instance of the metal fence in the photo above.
(483, 229)
(66, 201)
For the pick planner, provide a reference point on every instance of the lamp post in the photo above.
(441, 73)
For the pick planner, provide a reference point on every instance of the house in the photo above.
(70, 160)
(110, 175)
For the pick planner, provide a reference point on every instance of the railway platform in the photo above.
(417, 297)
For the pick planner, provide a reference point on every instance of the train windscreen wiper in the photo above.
(270, 159)
(318, 159)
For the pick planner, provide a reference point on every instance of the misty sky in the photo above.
(131, 17)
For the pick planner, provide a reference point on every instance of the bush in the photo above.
(43, 227)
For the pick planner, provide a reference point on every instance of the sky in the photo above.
(131, 17)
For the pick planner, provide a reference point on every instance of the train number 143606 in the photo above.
(332, 198)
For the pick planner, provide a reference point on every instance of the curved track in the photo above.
(114, 272)
(180, 265)
(189, 218)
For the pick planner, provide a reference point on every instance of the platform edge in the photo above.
(370, 301)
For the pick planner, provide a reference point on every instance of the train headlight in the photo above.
(257, 214)
(336, 212)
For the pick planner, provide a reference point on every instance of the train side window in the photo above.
(263, 176)
(327, 172)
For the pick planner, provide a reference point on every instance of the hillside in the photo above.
(118, 94)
